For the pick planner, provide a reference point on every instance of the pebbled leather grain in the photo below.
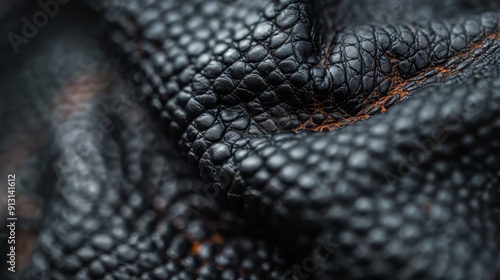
(365, 128)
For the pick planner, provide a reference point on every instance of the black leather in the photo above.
(356, 139)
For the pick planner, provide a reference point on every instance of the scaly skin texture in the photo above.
(116, 199)
(357, 145)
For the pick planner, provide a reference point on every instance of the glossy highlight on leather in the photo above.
(269, 139)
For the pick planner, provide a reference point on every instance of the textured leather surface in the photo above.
(356, 139)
